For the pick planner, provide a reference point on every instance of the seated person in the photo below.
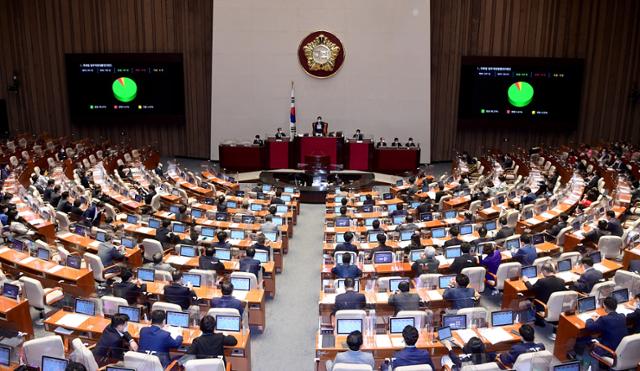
(482, 233)
(210, 344)
(410, 355)
(176, 293)
(227, 300)
(526, 254)
(109, 253)
(249, 263)
(545, 286)
(156, 340)
(403, 299)
(595, 234)
(634, 317)
(280, 134)
(257, 141)
(261, 243)
(163, 233)
(368, 200)
(505, 230)
(396, 143)
(381, 143)
(613, 224)
(346, 245)
(319, 127)
(415, 244)
(408, 224)
(208, 261)
(459, 294)
(64, 204)
(277, 200)
(529, 197)
(466, 260)
(268, 225)
(358, 135)
(128, 288)
(76, 212)
(612, 327)
(588, 278)
(527, 345)
(114, 341)
(410, 143)
(375, 228)
(427, 262)
(473, 353)
(382, 244)
(158, 264)
(222, 241)
(562, 223)
(350, 299)
(353, 355)
(399, 211)
(491, 261)
(346, 269)
(454, 240)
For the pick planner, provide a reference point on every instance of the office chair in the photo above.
(49, 345)
(39, 298)
(610, 247)
(211, 364)
(626, 355)
(476, 277)
(83, 355)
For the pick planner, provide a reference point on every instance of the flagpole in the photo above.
(292, 113)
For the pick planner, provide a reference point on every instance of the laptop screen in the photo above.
(486, 204)
(80, 230)
(188, 251)
(455, 322)
(398, 219)
(512, 244)
(397, 324)
(132, 312)
(347, 326)
(342, 222)
(621, 295)
(241, 283)
(426, 217)
(373, 237)
(271, 236)
(255, 207)
(586, 304)
(406, 235)
(178, 319)
(154, 223)
(537, 238)
(444, 333)
(43, 253)
(281, 209)
(53, 364)
(391, 208)
(174, 209)
(223, 254)
(228, 323)
(208, 232)
(415, 255)
(490, 226)
(87, 307)
(569, 366)
(5, 355)
(146, 275)
(502, 318)
(452, 252)
(369, 222)
(196, 213)
(74, 261)
(340, 237)
(450, 214)
(596, 257)
(128, 242)
(443, 281)
(132, 219)
(232, 204)
(438, 233)
(179, 228)
(289, 190)
(11, 291)
(340, 284)
(564, 265)
(220, 216)
(466, 229)
(394, 282)
(530, 271)
(383, 257)
(193, 279)
(262, 256)
(101, 236)
(387, 196)
(248, 219)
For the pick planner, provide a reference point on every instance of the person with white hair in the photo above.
(427, 262)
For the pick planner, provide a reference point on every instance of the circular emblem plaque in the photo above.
(321, 54)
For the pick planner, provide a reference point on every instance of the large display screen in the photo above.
(520, 92)
(125, 88)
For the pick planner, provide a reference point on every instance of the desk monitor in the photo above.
(621, 295)
(128, 242)
(466, 229)
(576, 225)
(502, 318)
(485, 204)
(223, 254)
(74, 261)
(209, 201)
(542, 208)
(512, 194)
(113, 368)
(221, 216)
(500, 200)
(369, 222)
(248, 219)
(84, 306)
(197, 213)
(372, 237)
(154, 223)
(491, 226)
(208, 232)
(285, 198)
(512, 244)
(101, 236)
(452, 252)
(415, 255)
(382, 257)
(255, 207)
(10, 291)
(564, 265)
(399, 182)
(340, 284)
(391, 208)
(337, 209)
(132, 312)
(174, 209)
(80, 230)
(188, 251)
(17, 245)
(528, 214)
(444, 333)
(266, 188)
(596, 257)
(362, 198)
(289, 190)
(271, 236)
(43, 253)
(347, 326)
(530, 271)
(5, 355)
(443, 281)
(438, 233)
(241, 283)
(426, 217)
(395, 282)
(586, 304)
(367, 208)
(228, 323)
(53, 364)
(387, 196)
(397, 324)
(398, 219)
(406, 235)
(179, 228)
(262, 256)
(232, 204)
(450, 214)
(339, 237)
(455, 322)
(537, 238)
(138, 197)
(282, 209)
(569, 366)
(415, 204)
(146, 274)
(237, 234)
(194, 279)
(342, 222)
(177, 319)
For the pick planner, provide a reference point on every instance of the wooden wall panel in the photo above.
(606, 34)
(35, 35)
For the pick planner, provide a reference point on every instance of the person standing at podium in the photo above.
(358, 135)
(280, 134)
(319, 127)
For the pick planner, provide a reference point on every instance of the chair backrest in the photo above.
(142, 361)
(215, 312)
(475, 316)
(628, 280)
(208, 277)
(527, 209)
(110, 304)
(49, 345)
(423, 367)
(628, 353)
(155, 202)
(506, 271)
(492, 366)
(539, 262)
(474, 206)
(351, 367)
(151, 247)
(383, 282)
(428, 280)
(337, 257)
(351, 314)
(573, 255)
(252, 277)
(210, 364)
(95, 265)
(476, 277)
(560, 301)
(610, 246)
(161, 275)
(512, 218)
(602, 289)
(110, 211)
(33, 291)
(161, 305)
(63, 220)
(533, 361)
(422, 317)
(83, 355)
(443, 199)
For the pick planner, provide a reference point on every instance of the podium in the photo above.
(359, 154)
(323, 146)
(278, 153)
(237, 157)
(396, 160)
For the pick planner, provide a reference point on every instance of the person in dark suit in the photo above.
(277, 200)
(440, 192)
(505, 231)
(48, 191)
(109, 253)
(368, 200)
(149, 196)
(482, 233)
(613, 224)
(210, 344)
(358, 135)
(64, 204)
(155, 340)
(634, 317)
(375, 228)
(346, 269)
(128, 288)
(408, 224)
(76, 212)
(529, 197)
(280, 134)
(527, 345)
(459, 294)
(588, 278)
(427, 262)
(526, 254)
(350, 299)
(93, 214)
(381, 143)
(258, 141)
(410, 355)
(163, 234)
(410, 143)
(319, 127)
(227, 300)
(399, 211)
(249, 263)
(465, 260)
(208, 261)
(403, 299)
(612, 327)
(114, 341)
(473, 353)
(176, 293)
(454, 240)
(562, 223)
(346, 245)
(595, 234)
(545, 286)
(222, 241)
(382, 245)
(55, 196)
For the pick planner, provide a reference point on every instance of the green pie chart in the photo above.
(520, 93)
(124, 89)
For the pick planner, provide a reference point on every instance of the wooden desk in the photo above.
(35, 221)
(629, 255)
(212, 178)
(91, 329)
(457, 202)
(83, 243)
(15, 315)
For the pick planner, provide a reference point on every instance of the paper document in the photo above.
(383, 341)
(241, 295)
(495, 335)
(55, 268)
(27, 260)
(4, 249)
(434, 295)
(145, 230)
(567, 276)
(465, 335)
(174, 331)
(73, 320)
(623, 309)
(585, 316)
(547, 215)
(64, 235)
(382, 297)
(180, 260)
(327, 299)
(397, 342)
(601, 267)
